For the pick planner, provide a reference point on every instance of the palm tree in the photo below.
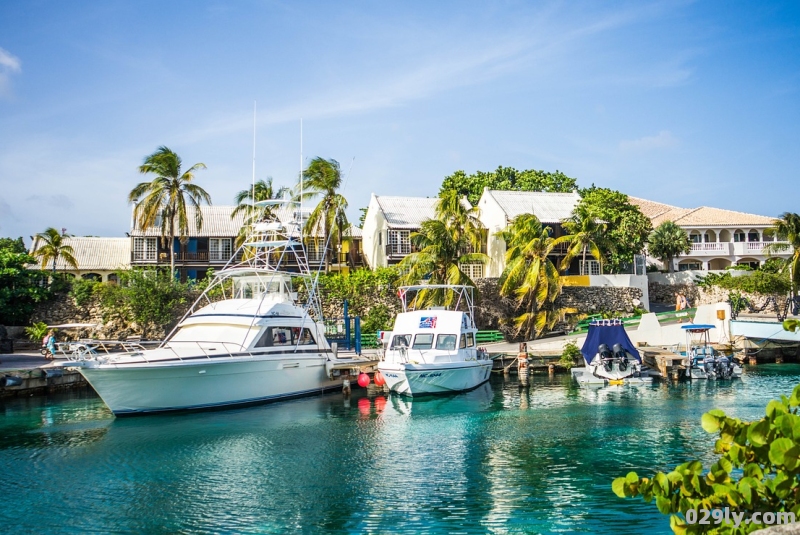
(461, 217)
(166, 196)
(667, 241)
(263, 191)
(585, 232)
(788, 228)
(53, 246)
(530, 277)
(323, 177)
(440, 252)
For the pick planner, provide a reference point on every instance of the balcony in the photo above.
(399, 249)
(757, 247)
(711, 249)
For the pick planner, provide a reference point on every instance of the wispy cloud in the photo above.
(9, 64)
(662, 140)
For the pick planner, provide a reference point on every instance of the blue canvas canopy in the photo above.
(608, 335)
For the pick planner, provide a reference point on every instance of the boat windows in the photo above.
(285, 336)
(423, 341)
(401, 341)
(446, 342)
(470, 340)
(463, 343)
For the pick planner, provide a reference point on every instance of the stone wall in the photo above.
(697, 295)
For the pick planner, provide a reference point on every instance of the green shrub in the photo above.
(83, 290)
(571, 355)
(758, 470)
(36, 331)
(377, 318)
(757, 282)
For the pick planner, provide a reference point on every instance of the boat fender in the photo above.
(363, 380)
(379, 379)
(10, 380)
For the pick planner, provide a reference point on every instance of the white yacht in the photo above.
(245, 340)
(611, 358)
(704, 362)
(434, 350)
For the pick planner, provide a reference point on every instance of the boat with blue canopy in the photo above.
(610, 357)
(705, 362)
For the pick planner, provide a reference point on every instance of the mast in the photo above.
(253, 190)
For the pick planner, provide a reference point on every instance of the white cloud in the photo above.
(662, 140)
(9, 64)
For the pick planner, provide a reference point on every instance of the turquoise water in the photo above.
(497, 460)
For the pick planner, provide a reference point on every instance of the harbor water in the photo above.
(499, 459)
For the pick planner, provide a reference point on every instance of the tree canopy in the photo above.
(20, 288)
(627, 228)
(52, 246)
(667, 241)
(506, 178)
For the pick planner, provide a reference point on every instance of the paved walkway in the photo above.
(22, 361)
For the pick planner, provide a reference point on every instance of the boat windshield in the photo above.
(423, 341)
(241, 335)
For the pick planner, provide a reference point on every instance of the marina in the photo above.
(498, 458)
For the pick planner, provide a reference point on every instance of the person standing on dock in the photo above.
(680, 304)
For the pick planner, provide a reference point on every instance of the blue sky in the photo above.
(687, 103)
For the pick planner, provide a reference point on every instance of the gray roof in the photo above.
(548, 207)
(407, 212)
(217, 222)
(102, 254)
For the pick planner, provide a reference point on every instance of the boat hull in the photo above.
(418, 379)
(588, 375)
(207, 383)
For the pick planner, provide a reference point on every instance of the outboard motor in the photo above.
(622, 356)
(605, 356)
(710, 367)
(724, 368)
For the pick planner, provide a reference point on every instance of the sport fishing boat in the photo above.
(245, 340)
(611, 358)
(434, 350)
(705, 362)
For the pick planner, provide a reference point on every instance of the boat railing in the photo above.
(231, 349)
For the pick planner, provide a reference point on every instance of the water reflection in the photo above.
(499, 458)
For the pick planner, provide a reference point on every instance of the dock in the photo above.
(669, 364)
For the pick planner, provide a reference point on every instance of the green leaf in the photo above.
(662, 483)
(778, 449)
(632, 478)
(757, 433)
(774, 408)
(710, 422)
(664, 505)
(618, 486)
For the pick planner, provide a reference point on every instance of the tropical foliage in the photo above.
(506, 178)
(626, 227)
(530, 276)
(757, 282)
(667, 241)
(166, 197)
(758, 470)
(263, 190)
(20, 288)
(52, 245)
(788, 228)
(585, 231)
(323, 177)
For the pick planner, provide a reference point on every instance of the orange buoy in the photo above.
(379, 379)
(380, 403)
(363, 380)
(364, 406)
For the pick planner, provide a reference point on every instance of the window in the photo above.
(399, 242)
(285, 336)
(401, 341)
(314, 250)
(690, 266)
(446, 342)
(473, 271)
(695, 237)
(753, 236)
(463, 343)
(423, 341)
(589, 267)
(470, 340)
(145, 249)
(219, 249)
(738, 236)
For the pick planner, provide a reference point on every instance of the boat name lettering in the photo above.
(430, 374)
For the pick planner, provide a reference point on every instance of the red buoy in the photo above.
(380, 403)
(363, 380)
(379, 379)
(364, 406)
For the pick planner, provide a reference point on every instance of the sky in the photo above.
(685, 103)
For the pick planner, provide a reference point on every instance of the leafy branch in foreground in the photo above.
(764, 457)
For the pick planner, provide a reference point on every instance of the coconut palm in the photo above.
(440, 252)
(787, 229)
(323, 177)
(166, 197)
(584, 233)
(461, 217)
(530, 277)
(52, 246)
(667, 241)
(264, 191)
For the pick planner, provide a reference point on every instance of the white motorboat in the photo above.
(245, 340)
(611, 358)
(434, 350)
(704, 362)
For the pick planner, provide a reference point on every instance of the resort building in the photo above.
(498, 208)
(388, 225)
(97, 258)
(720, 238)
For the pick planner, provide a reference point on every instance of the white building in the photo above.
(388, 225)
(97, 258)
(499, 208)
(720, 238)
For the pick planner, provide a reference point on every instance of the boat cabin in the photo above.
(432, 335)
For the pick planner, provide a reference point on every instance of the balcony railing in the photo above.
(399, 249)
(711, 248)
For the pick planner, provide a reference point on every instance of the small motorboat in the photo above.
(611, 358)
(434, 350)
(703, 361)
